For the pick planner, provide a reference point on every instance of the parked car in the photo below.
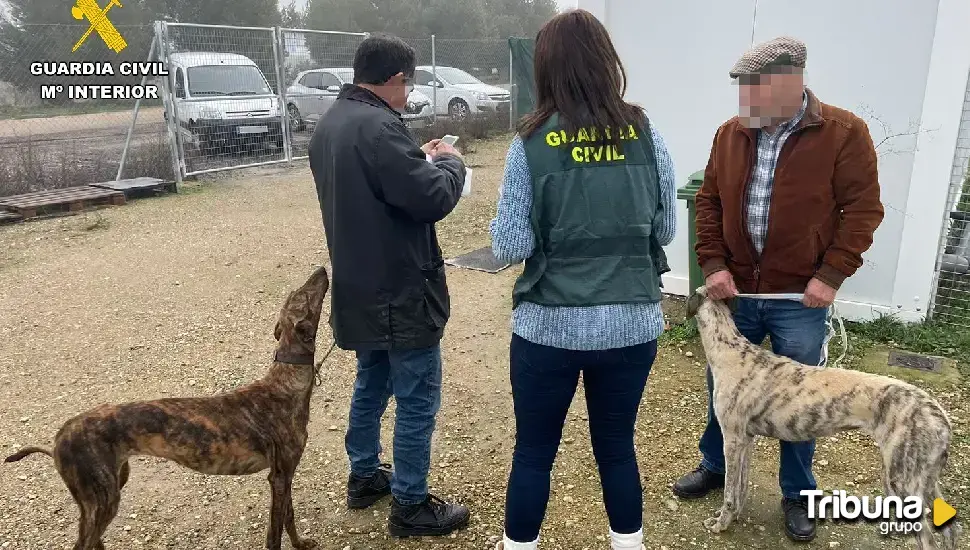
(223, 100)
(314, 91)
(459, 94)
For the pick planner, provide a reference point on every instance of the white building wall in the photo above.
(882, 60)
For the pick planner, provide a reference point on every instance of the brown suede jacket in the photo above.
(825, 204)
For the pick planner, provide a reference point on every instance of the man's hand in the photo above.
(428, 148)
(818, 294)
(443, 148)
(720, 285)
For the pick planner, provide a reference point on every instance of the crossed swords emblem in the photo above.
(89, 9)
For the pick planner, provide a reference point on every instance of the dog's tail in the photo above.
(27, 451)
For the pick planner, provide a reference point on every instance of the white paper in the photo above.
(466, 190)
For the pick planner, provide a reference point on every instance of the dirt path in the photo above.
(178, 295)
(88, 124)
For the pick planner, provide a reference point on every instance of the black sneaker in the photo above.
(432, 518)
(363, 492)
(798, 526)
(698, 483)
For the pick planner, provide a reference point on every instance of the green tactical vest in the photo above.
(593, 211)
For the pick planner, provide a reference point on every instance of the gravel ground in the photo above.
(178, 296)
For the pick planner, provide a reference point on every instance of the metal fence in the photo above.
(951, 296)
(240, 97)
(60, 141)
(234, 97)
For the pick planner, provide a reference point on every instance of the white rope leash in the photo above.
(831, 319)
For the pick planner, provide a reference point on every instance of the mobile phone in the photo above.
(450, 139)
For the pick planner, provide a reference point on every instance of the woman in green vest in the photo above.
(587, 203)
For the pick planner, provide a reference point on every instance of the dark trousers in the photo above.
(796, 332)
(544, 381)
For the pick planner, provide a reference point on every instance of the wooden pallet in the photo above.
(10, 217)
(68, 199)
(139, 186)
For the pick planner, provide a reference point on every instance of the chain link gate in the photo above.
(239, 97)
(314, 65)
(951, 295)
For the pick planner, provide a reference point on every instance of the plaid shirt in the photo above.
(763, 177)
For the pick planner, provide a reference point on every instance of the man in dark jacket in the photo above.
(380, 199)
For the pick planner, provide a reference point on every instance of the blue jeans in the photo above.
(414, 378)
(796, 332)
(544, 381)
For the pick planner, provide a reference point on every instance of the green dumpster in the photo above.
(687, 193)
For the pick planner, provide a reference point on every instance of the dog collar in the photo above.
(293, 358)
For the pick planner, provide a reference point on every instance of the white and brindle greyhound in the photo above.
(759, 393)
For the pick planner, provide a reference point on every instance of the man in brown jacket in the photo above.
(789, 204)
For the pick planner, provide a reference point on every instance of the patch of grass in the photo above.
(929, 337)
(681, 333)
(31, 165)
(470, 130)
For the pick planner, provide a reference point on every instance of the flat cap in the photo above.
(766, 57)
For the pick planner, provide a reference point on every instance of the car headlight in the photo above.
(482, 96)
(210, 112)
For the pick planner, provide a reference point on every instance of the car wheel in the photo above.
(458, 109)
(296, 119)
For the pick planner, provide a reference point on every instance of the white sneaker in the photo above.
(508, 544)
(633, 541)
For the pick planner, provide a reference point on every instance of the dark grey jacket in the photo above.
(380, 200)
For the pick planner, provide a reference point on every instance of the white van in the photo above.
(223, 100)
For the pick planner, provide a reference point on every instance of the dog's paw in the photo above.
(307, 544)
(715, 524)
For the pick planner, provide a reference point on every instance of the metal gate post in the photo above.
(134, 114)
(511, 98)
(168, 103)
(166, 44)
(434, 75)
(279, 56)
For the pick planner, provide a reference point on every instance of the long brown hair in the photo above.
(579, 75)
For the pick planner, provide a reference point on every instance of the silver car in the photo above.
(315, 90)
(459, 94)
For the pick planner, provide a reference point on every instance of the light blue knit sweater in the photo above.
(576, 328)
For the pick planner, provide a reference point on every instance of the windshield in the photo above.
(226, 80)
(456, 77)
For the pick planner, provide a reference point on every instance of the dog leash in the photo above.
(832, 318)
(316, 369)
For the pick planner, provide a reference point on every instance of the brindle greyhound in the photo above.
(258, 426)
(758, 393)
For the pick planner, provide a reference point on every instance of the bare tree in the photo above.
(887, 136)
